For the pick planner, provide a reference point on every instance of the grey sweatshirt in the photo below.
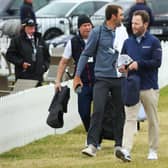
(100, 46)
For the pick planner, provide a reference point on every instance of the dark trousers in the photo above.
(100, 94)
(84, 105)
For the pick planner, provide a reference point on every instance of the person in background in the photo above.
(26, 11)
(29, 54)
(139, 5)
(145, 50)
(73, 50)
(101, 45)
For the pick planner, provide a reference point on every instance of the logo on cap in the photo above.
(28, 22)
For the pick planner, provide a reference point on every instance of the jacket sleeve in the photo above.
(151, 17)
(91, 45)
(46, 57)
(89, 51)
(13, 55)
(156, 58)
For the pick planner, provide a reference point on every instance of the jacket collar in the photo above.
(142, 37)
(105, 27)
(24, 35)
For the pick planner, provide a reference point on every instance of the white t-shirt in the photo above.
(121, 36)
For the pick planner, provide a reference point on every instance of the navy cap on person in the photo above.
(83, 19)
(28, 22)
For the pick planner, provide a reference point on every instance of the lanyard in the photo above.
(34, 50)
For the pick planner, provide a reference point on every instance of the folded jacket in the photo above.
(58, 107)
(131, 89)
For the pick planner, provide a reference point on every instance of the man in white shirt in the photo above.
(74, 49)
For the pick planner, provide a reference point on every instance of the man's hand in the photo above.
(77, 81)
(26, 65)
(57, 86)
(123, 69)
(133, 66)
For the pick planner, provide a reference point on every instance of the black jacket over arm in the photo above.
(57, 107)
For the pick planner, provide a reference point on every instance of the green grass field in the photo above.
(64, 151)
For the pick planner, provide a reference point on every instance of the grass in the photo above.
(63, 151)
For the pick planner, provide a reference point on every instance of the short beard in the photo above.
(118, 24)
(137, 34)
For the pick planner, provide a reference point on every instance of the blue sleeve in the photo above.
(151, 17)
(89, 51)
(91, 45)
(81, 65)
(155, 61)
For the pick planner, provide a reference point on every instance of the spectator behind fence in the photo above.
(145, 50)
(139, 5)
(27, 11)
(100, 45)
(29, 54)
(73, 49)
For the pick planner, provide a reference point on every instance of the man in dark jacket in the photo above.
(73, 49)
(28, 53)
(26, 11)
(145, 50)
